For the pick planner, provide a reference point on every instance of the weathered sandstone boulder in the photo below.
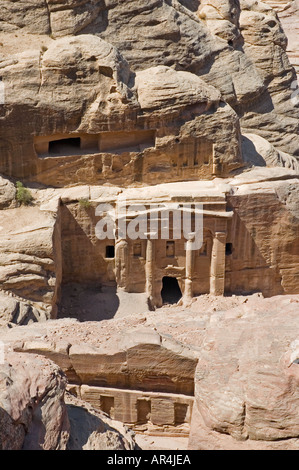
(246, 381)
(7, 194)
(257, 151)
(265, 45)
(288, 13)
(29, 260)
(265, 224)
(33, 413)
(91, 429)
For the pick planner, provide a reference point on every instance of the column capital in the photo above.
(220, 236)
(191, 236)
(151, 235)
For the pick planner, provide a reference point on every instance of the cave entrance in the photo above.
(65, 146)
(107, 405)
(171, 292)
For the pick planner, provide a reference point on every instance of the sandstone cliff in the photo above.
(96, 49)
(160, 102)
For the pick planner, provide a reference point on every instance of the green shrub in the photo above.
(23, 195)
(85, 203)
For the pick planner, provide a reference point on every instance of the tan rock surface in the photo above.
(270, 207)
(288, 13)
(7, 193)
(240, 51)
(247, 380)
(120, 352)
(29, 256)
(14, 310)
(257, 151)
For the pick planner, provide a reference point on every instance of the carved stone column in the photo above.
(188, 294)
(217, 273)
(149, 266)
(122, 263)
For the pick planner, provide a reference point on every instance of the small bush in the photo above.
(23, 195)
(85, 203)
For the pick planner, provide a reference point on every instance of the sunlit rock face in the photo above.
(69, 73)
(165, 103)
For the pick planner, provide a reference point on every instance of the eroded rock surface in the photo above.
(246, 382)
(33, 413)
(168, 102)
(91, 429)
(239, 50)
(29, 256)
(288, 13)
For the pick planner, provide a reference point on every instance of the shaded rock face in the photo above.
(246, 382)
(17, 311)
(92, 430)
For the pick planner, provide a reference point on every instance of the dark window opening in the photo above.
(107, 405)
(110, 251)
(137, 250)
(143, 411)
(65, 146)
(171, 292)
(170, 249)
(180, 413)
(204, 251)
(228, 249)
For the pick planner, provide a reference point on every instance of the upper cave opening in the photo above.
(64, 146)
